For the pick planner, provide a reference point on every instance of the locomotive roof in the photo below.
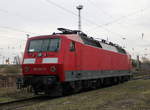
(83, 38)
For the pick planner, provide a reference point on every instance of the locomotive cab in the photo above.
(42, 63)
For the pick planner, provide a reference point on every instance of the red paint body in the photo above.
(85, 58)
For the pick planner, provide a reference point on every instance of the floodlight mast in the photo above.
(80, 7)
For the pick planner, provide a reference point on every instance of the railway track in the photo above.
(18, 104)
(142, 77)
(23, 103)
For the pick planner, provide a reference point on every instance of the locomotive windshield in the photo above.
(42, 45)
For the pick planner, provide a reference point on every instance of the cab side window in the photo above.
(72, 46)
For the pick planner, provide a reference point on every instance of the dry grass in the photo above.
(10, 69)
(133, 95)
(10, 94)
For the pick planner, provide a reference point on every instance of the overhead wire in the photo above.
(57, 5)
(15, 29)
(103, 11)
(71, 12)
(126, 16)
(7, 37)
(89, 21)
(115, 20)
(120, 18)
(18, 30)
(61, 7)
(15, 14)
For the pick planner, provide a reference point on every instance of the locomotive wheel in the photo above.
(118, 80)
(76, 86)
(94, 84)
(106, 81)
(54, 91)
(125, 78)
(58, 90)
(36, 89)
(67, 89)
(85, 85)
(99, 83)
(115, 80)
(121, 79)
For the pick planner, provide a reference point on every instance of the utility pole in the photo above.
(142, 35)
(80, 7)
(124, 41)
(138, 62)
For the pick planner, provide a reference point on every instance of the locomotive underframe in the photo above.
(51, 84)
(39, 83)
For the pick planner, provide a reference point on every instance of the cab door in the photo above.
(78, 53)
(75, 51)
(72, 54)
(72, 61)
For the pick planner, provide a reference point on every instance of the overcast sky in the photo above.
(105, 19)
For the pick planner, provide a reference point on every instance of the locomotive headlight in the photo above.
(26, 68)
(53, 69)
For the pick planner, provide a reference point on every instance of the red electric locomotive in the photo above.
(71, 61)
